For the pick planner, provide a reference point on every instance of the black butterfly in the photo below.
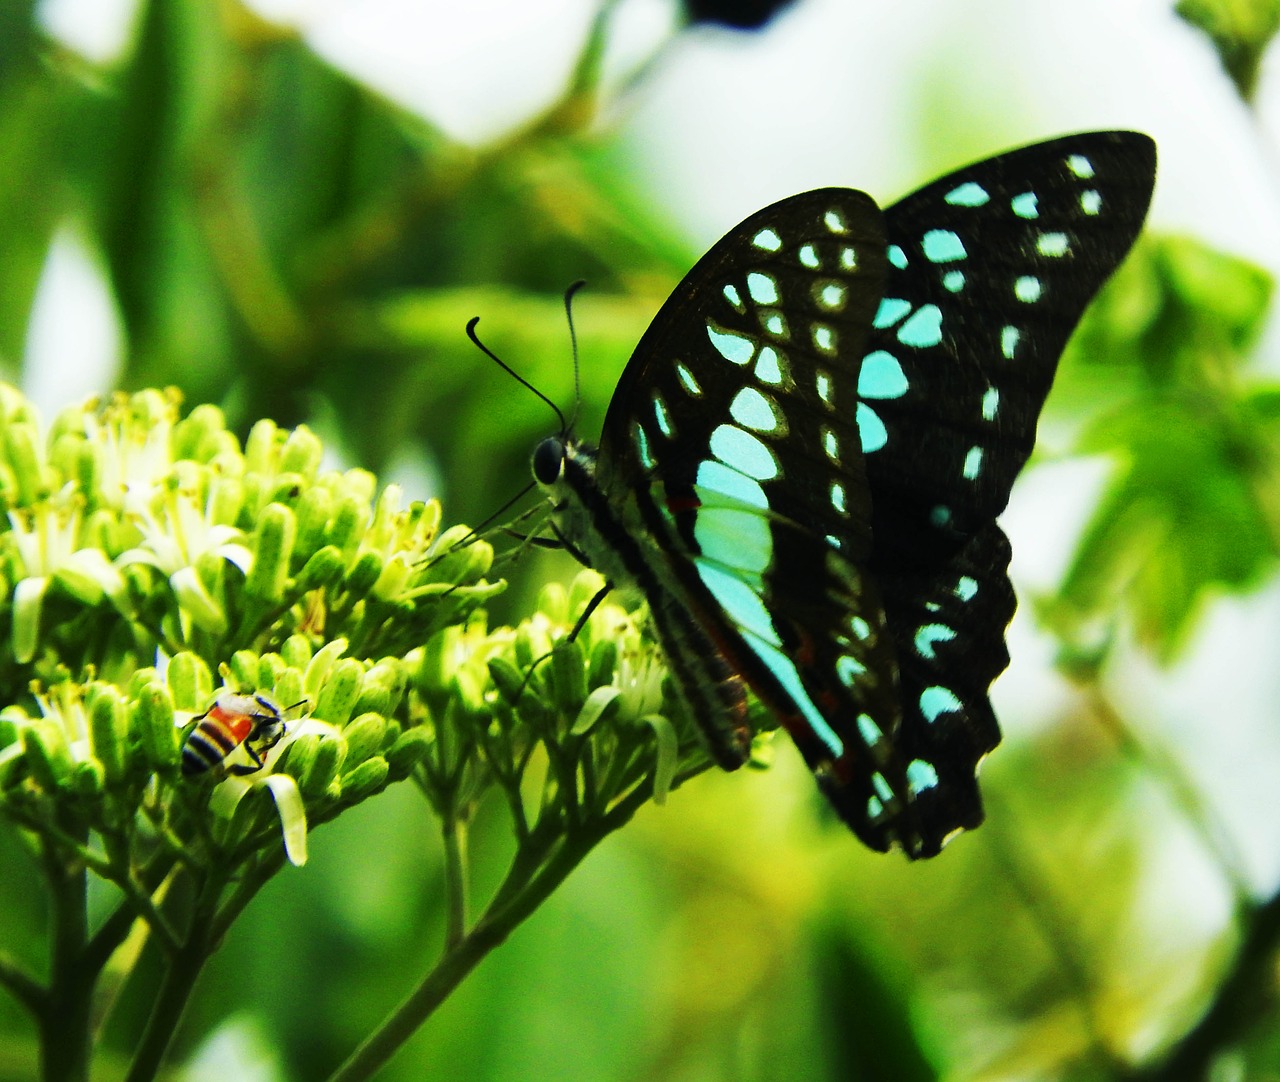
(804, 459)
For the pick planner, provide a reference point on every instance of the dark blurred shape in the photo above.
(739, 14)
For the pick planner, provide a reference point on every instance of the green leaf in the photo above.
(1240, 31)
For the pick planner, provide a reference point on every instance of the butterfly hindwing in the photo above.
(734, 431)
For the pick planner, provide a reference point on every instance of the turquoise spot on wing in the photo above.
(809, 256)
(897, 257)
(882, 787)
(768, 370)
(990, 403)
(867, 728)
(942, 246)
(739, 540)
(724, 480)
(848, 258)
(642, 447)
(832, 295)
(688, 380)
(1008, 343)
(763, 289)
(966, 588)
(661, 415)
(768, 240)
(860, 627)
(753, 410)
(928, 637)
(732, 295)
(940, 515)
(923, 329)
(1090, 202)
(775, 324)
(732, 347)
(1027, 288)
(881, 376)
(935, 701)
(848, 669)
(969, 194)
(973, 463)
(1052, 245)
(825, 388)
(871, 430)
(875, 809)
(920, 776)
(837, 497)
(744, 452)
(953, 281)
(1081, 166)
(890, 311)
(830, 444)
(746, 609)
(824, 338)
(1024, 205)
(834, 221)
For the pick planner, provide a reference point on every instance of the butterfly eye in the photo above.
(548, 461)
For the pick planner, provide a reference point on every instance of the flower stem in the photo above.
(64, 1020)
(180, 976)
(524, 889)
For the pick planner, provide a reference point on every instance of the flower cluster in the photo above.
(147, 553)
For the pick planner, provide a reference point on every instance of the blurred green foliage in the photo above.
(285, 243)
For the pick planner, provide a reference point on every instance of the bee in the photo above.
(251, 721)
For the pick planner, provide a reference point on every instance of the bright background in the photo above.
(292, 208)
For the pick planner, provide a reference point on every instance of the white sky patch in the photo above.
(74, 339)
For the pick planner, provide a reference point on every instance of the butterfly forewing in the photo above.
(991, 268)
(735, 429)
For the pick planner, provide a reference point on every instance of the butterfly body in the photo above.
(802, 464)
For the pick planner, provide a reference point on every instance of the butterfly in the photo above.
(802, 464)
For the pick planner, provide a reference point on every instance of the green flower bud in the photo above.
(324, 568)
(243, 671)
(407, 752)
(109, 733)
(506, 678)
(368, 778)
(28, 603)
(317, 672)
(273, 547)
(302, 453)
(323, 767)
(271, 670)
(298, 756)
(152, 722)
(532, 643)
(22, 449)
(226, 497)
(393, 578)
(603, 663)
(470, 687)
(88, 781)
(260, 447)
(48, 757)
(348, 525)
(196, 435)
(374, 698)
(433, 674)
(568, 673)
(313, 511)
(364, 573)
(190, 681)
(296, 652)
(364, 737)
(340, 692)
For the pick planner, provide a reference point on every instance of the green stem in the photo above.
(499, 921)
(64, 1022)
(455, 878)
(180, 976)
(24, 987)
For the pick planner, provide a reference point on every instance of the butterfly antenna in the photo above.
(573, 340)
(471, 333)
